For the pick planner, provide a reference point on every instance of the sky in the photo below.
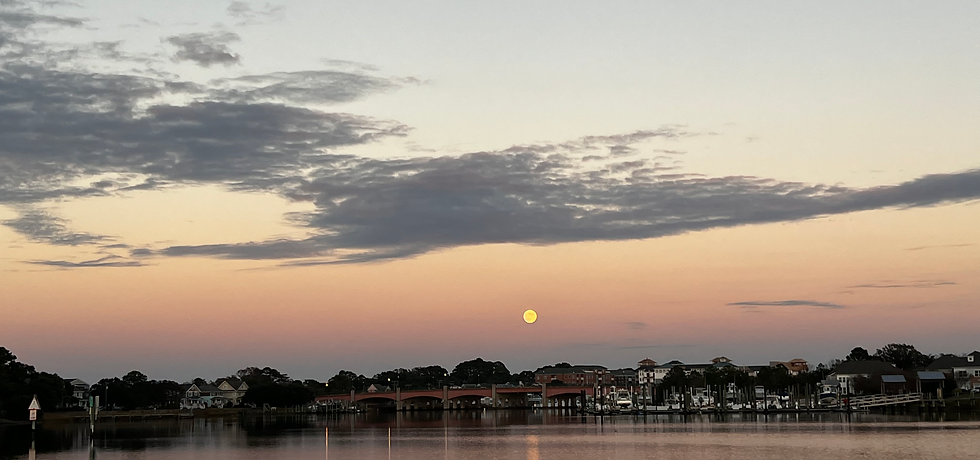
(191, 188)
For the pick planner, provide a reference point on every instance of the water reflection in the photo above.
(522, 435)
(532, 448)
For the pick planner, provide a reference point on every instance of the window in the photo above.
(976, 373)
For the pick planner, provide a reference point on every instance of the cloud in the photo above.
(40, 226)
(206, 49)
(648, 347)
(787, 303)
(61, 126)
(636, 325)
(915, 284)
(305, 87)
(942, 246)
(104, 262)
(368, 209)
(248, 15)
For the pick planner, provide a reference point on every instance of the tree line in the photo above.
(19, 382)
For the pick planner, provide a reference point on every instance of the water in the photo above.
(521, 435)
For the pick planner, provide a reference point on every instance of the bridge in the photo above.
(459, 398)
(864, 402)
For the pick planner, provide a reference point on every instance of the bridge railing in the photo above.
(883, 400)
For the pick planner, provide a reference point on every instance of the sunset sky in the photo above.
(188, 188)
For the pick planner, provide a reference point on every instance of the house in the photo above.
(964, 369)
(848, 371)
(205, 396)
(378, 388)
(946, 363)
(232, 390)
(580, 375)
(967, 374)
(79, 393)
(794, 366)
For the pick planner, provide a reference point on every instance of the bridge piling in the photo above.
(445, 397)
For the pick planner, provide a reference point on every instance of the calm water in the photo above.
(509, 435)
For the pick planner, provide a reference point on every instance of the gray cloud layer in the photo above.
(62, 126)
(787, 303)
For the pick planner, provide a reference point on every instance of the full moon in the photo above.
(530, 316)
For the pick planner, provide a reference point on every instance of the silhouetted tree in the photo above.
(19, 383)
(858, 354)
(478, 371)
(255, 376)
(344, 382)
(903, 356)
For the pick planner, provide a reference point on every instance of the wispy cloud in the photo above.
(636, 325)
(913, 284)
(787, 303)
(246, 14)
(104, 262)
(206, 49)
(40, 226)
(655, 346)
(941, 246)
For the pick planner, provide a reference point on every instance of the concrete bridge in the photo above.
(459, 398)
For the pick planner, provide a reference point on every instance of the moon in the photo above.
(530, 316)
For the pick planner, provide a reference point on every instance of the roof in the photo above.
(863, 367)
(208, 388)
(946, 362)
(671, 364)
(929, 375)
(626, 371)
(893, 379)
(569, 370)
(232, 381)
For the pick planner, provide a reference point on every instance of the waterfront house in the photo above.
(845, 373)
(378, 388)
(204, 396)
(946, 363)
(964, 369)
(232, 390)
(968, 372)
(79, 393)
(794, 366)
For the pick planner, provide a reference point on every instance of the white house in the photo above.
(967, 372)
(228, 393)
(848, 371)
(79, 392)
